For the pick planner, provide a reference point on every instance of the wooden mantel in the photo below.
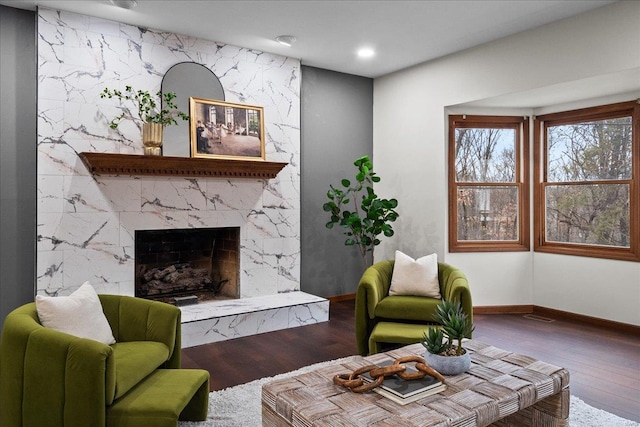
(134, 164)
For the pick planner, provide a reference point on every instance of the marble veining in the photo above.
(206, 310)
(86, 224)
(222, 320)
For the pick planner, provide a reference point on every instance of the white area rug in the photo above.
(240, 406)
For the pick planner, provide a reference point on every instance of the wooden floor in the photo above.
(604, 364)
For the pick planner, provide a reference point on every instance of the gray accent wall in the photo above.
(17, 158)
(337, 128)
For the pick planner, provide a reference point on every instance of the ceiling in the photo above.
(329, 32)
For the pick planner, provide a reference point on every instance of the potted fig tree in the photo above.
(149, 111)
(357, 208)
(445, 352)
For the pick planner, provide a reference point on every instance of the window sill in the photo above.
(581, 251)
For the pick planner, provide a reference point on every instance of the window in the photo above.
(488, 183)
(228, 112)
(587, 193)
(253, 120)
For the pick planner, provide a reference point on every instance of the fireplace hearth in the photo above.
(183, 266)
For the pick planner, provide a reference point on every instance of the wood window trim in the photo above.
(540, 173)
(521, 125)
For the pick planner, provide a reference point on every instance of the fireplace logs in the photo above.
(199, 262)
(176, 279)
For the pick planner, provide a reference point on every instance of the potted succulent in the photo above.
(371, 215)
(445, 352)
(152, 117)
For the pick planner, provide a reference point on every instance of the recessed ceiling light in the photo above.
(366, 52)
(125, 4)
(286, 40)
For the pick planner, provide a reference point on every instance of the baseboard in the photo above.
(534, 309)
(557, 314)
(345, 297)
(589, 320)
(503, 309)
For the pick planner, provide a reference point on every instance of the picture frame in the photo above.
(226, 130)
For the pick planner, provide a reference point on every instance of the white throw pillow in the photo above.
(79, 314)
(415, 277)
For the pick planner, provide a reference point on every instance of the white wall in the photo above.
(590, 286)
(410, 110)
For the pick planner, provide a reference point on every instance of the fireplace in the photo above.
(181, 266)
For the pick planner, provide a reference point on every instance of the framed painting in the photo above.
(224, 130)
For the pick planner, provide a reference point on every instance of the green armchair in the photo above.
(49, 378)
(375, 305)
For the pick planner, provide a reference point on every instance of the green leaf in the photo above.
(146, 106)
(353, 220)
(329, 224)
(372, 215)
(361, 160)
(346, 183)
(434, 341)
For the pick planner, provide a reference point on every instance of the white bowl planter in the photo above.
(449, 365)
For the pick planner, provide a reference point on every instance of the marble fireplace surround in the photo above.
(86, 223)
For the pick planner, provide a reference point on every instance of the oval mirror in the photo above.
(187, 79)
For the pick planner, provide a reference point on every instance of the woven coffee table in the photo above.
(502, 389)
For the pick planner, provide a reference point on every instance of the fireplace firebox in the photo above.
(187, 265)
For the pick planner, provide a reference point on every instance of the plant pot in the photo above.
(152, 138)
(449, 365)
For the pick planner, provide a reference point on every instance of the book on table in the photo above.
(406, 391)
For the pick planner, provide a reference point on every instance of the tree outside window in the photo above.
(587, 193)
(488, 190)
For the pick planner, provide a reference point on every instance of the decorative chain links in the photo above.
(355, 383)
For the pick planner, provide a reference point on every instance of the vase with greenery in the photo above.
(445, 352)
(358, 209)
(152, 111)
